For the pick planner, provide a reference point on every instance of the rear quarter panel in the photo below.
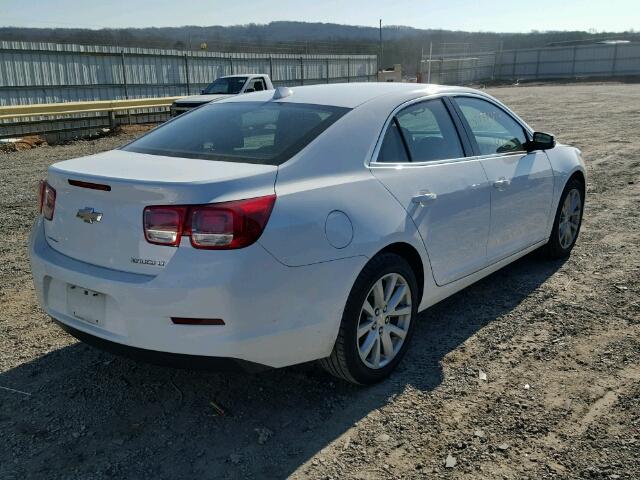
(330, 174)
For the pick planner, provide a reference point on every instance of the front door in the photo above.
(521, 182)
(422, 163)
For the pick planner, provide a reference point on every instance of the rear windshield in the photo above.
(246, 132)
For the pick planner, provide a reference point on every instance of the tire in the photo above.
(390, 272)
(559, 246)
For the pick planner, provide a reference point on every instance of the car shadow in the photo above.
(92, 414)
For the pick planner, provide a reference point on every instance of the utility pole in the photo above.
(429, 66)
(381, 49)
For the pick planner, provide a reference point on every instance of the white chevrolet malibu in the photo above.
(311, 223)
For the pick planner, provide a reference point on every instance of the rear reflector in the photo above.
(197, 321)
(94, 186)
(47, 200)
(216, 226)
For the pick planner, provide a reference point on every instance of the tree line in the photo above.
(401, 44)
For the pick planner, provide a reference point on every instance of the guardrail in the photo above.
(67, 120)
(69, 108)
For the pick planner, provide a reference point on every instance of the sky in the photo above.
(469, 15)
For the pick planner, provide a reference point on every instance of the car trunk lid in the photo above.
(98, 217)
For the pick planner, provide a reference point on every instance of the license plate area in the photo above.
(85, 304)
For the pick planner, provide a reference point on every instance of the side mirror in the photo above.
(202, 92)
(541, 141)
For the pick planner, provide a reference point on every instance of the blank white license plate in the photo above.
(85, 304)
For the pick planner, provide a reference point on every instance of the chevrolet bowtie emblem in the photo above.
(89, 215)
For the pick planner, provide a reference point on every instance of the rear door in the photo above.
(522, 183)
(423, 162)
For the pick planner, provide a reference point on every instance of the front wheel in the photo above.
(377, 322)
(566, 225)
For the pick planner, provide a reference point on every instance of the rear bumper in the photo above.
(179, 360)
(274, 315)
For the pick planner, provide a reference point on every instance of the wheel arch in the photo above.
(413, 258)
(579, 176)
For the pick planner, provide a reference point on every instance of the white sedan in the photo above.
(311, 223)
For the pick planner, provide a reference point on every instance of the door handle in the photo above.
(501, 183)
(424, 198)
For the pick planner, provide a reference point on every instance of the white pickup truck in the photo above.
(223, 87)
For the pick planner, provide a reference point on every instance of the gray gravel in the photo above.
(567, 330)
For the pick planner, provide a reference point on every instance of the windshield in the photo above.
(248, 132)
(229, 85)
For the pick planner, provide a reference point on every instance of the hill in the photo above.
(402, 44)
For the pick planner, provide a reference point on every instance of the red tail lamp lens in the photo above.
(230, 225)
(164, 225)
(41, 195)
(47, 200)
(212, 227)
(217, 226)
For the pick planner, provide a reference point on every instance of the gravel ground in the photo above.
(559, 343)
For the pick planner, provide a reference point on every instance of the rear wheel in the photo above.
(566, 225)
(377, 322)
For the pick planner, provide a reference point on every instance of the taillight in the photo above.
(217, 226)
(41, 195)
(164, 225)
(229, 225)
(47, 200)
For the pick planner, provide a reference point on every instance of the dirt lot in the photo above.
(559, 343)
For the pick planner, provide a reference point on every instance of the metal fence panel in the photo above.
(599, 60)
(32, 72)
(555, 70)
(626, 66)
(562, 55)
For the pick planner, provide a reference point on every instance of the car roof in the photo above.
(243, 75)
(350, 95)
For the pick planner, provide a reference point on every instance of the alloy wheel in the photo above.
(384, 321)
(570, 218)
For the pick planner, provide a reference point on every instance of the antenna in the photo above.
(282, 92)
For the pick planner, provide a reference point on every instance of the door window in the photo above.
(393, 149)
(257, 84)
(493, 129)
(427, 131)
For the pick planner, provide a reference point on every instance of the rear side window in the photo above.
(393, 149)
(257, 85)
(493, 129)
(424, 131)
(246, 132)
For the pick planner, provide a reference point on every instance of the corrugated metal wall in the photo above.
(32, 73)
(599, 60)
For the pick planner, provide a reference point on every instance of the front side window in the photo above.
(225, 86)
(425, 130)
(245, 132)
(493, 129)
